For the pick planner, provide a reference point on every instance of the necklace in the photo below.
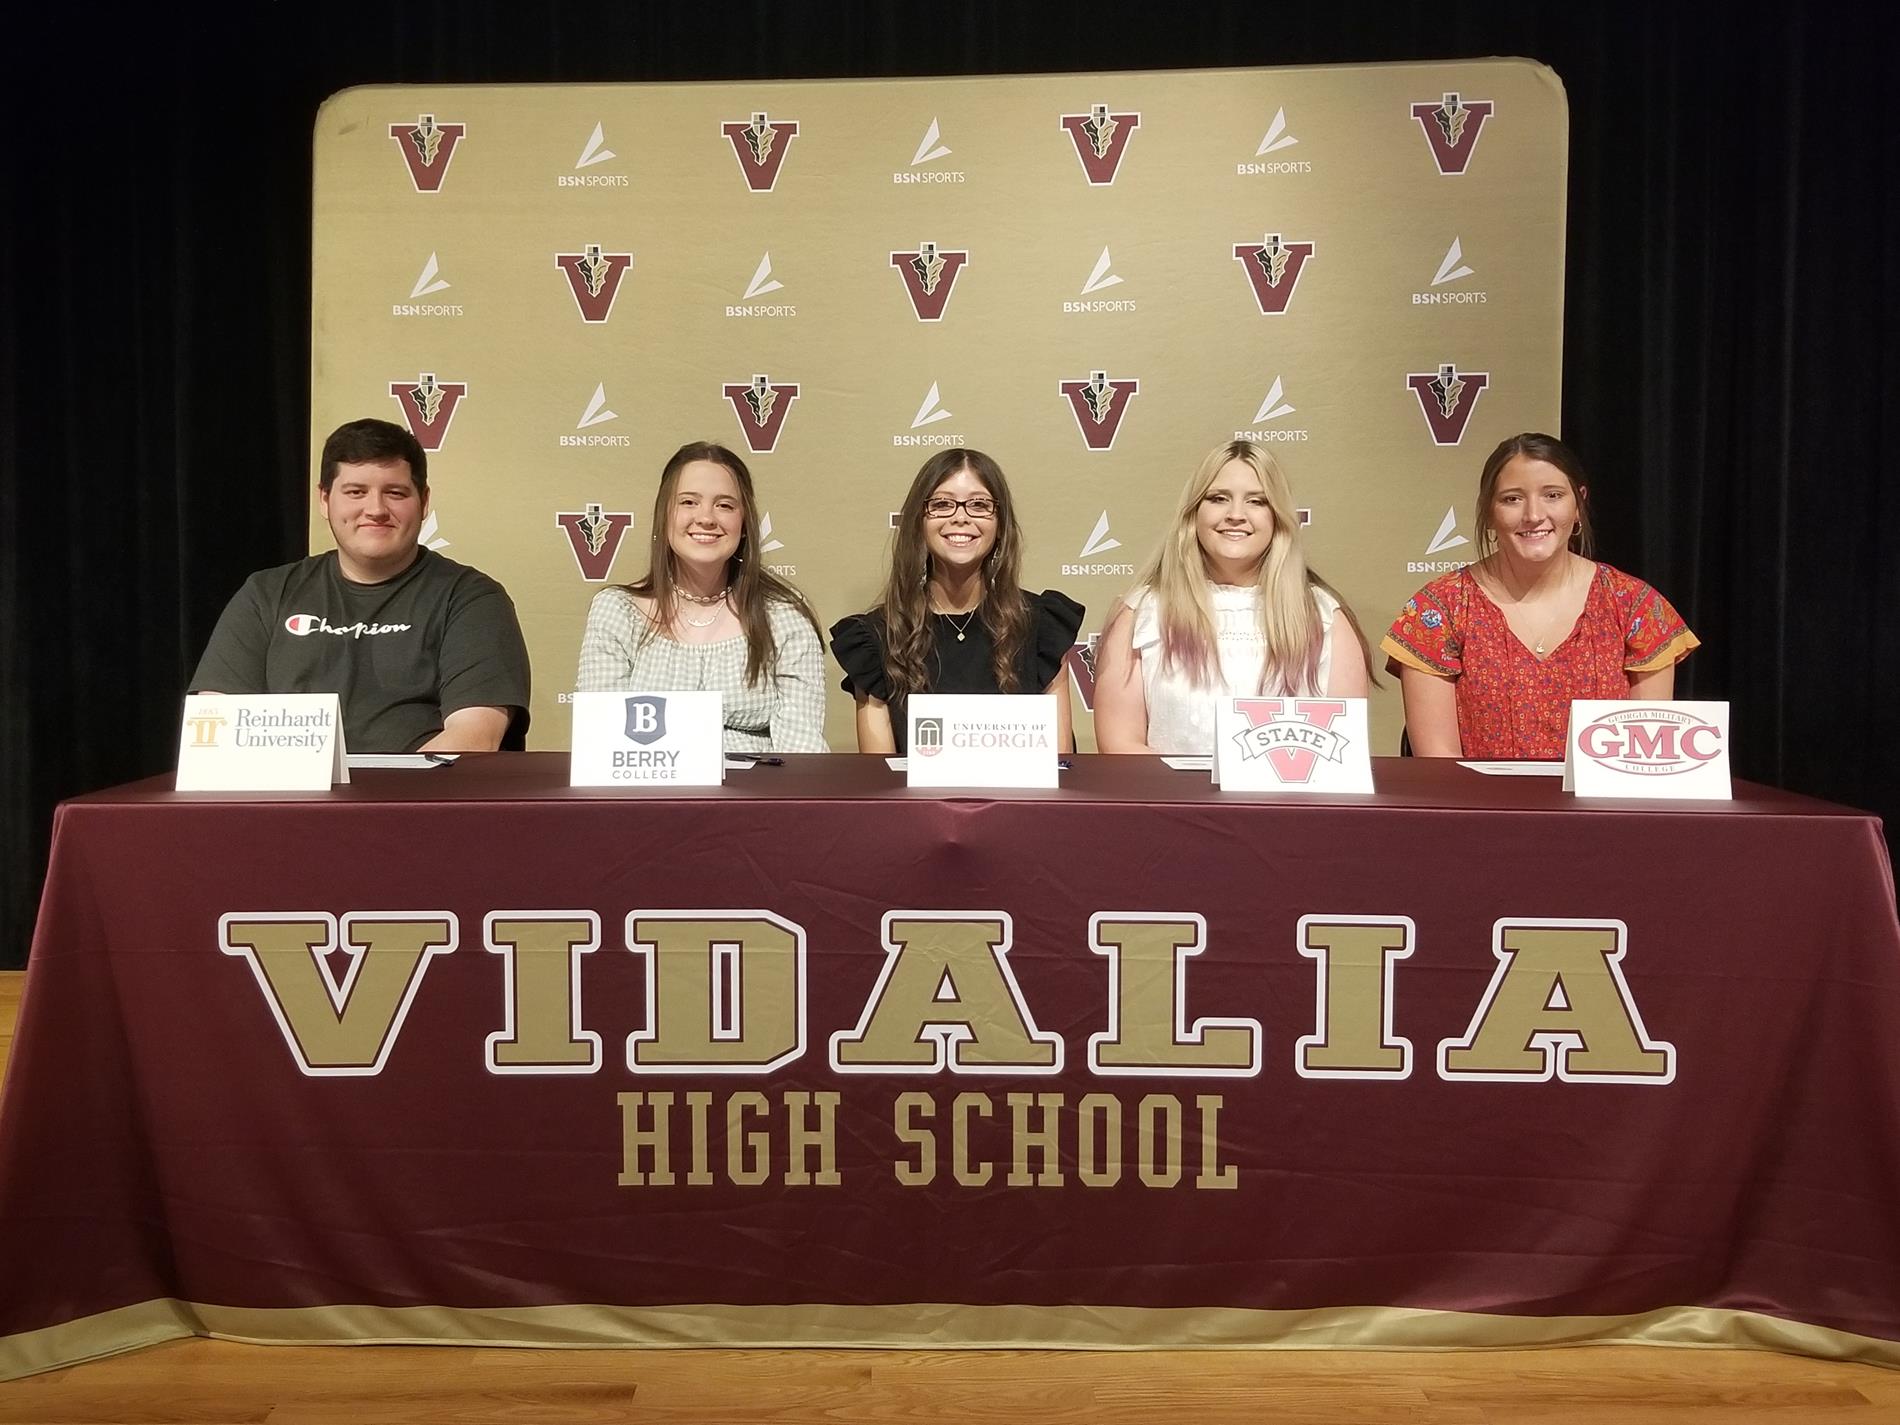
(692, 598)
(710, 619)
(968, 618)
(1550, 626)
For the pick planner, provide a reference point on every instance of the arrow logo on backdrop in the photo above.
(427, 149)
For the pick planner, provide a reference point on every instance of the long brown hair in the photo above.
(909, 634)
(1534, 445)
(751, 588)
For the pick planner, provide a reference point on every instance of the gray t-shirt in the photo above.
(402, 654)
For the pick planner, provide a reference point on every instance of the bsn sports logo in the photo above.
(428, 406)
(594, 151)
(596, 413)
(1098, 405)
(1100, 276)
(594, 534)
(1100, 279)
(761, 408)
(1446, 537)
(929, 150)
(1452, 267)
(1447, 396)
(1293, 734)
(1100, 139)
(594, 278)
(427, 147)
(929, 413)
(427, 284)
(646, 719)
(1274, 140)
(1274, 406)
(1650, 742)
(1451, 128)
(930, 274)
(1100, 541)
(763, 284)
(760, 146)
(430, 281)
(1273, 269)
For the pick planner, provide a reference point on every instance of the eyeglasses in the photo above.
(941, 507)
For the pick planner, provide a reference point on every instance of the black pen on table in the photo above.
(757, 759)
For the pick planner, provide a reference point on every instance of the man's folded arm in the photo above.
(471, 730)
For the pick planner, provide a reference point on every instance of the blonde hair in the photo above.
(1176, 578)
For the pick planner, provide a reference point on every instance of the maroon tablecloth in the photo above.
(1206, 1069)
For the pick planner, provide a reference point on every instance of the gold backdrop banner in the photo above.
(1092, 277)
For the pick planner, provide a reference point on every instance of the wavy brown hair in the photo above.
(751, 587)
(910, 639)
(1534, 445)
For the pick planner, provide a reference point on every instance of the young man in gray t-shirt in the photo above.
(426, 654)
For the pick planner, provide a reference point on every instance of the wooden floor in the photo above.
(212, 1381)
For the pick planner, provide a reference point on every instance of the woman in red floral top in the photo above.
(1489, 658)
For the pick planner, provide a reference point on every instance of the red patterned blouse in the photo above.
(1512, 704)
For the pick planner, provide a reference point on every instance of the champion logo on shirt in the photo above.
(304, 624)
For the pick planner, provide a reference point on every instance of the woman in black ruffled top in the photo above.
(952, 619)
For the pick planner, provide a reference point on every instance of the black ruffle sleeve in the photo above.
(857, 643)
(1057, 617)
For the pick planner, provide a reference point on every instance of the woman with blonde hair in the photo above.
(1226, 608)
(709, 616)
(952, 618)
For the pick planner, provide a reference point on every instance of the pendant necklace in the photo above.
(1548, 630)
(968, 618)
(1569, 579)
(710, 619)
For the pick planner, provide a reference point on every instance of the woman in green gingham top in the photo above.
(709, 616)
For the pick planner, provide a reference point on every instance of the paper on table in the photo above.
(1190, 764)
(897, 764)
(1516, 769)
(399, 759)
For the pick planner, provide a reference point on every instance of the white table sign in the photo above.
(1292, 745)
(261, 742)
(1618, 748)
(648, 740)
(982, 740)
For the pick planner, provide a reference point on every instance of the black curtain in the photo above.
(1730, 293)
